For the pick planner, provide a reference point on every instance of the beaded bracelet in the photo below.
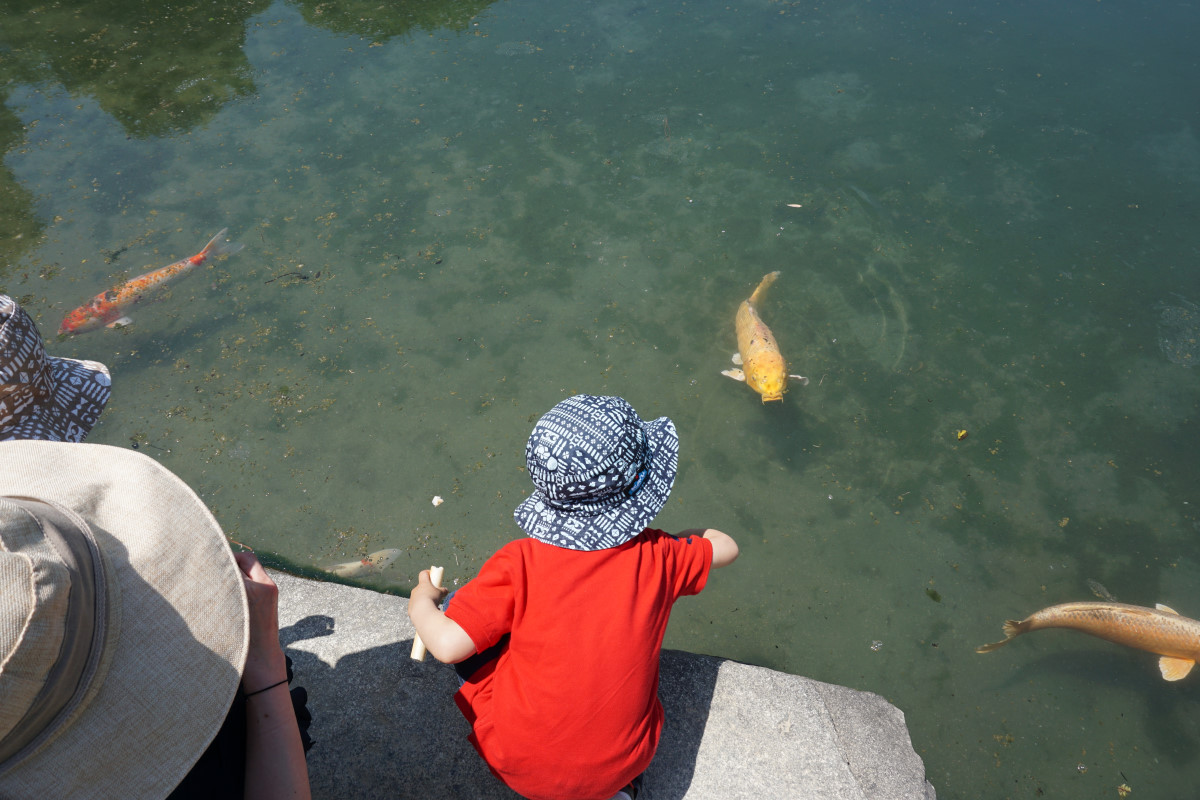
(265, 688)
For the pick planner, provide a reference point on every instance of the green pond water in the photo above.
(457, 214)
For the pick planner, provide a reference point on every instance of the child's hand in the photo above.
(446, 640)
(425, 590)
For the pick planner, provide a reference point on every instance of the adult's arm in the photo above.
(275, 765)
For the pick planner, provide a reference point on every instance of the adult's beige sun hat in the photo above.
(123, 623)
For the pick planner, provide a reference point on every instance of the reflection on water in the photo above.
(455, 216)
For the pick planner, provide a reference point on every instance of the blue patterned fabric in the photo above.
(42, 397)
(600, 473)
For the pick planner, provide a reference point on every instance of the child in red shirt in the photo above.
(558, 637)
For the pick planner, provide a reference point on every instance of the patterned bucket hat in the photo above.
(41, 397)
(600, 473)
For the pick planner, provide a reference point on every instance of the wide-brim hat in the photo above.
(42, 396)
(123, 623)
(600, 473)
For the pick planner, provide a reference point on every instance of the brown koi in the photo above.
(764, 369)
(1158, 630)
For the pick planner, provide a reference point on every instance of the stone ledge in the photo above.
(385, 726)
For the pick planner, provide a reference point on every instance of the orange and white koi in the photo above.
(108, 308)
(1158, 630)
(371, 565)
(765, 370)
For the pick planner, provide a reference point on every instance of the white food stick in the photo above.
(418, 651)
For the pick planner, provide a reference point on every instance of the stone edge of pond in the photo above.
(384, 726)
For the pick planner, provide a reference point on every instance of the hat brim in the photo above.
(586, 530)
(179, 624)
(80, 391)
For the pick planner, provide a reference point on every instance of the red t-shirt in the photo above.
(570, 709)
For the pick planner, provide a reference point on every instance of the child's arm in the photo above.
(725, 549)
(443, 637)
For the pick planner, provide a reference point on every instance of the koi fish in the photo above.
(765, 371)
(1159, 630)
(370, 565)
(108, 308)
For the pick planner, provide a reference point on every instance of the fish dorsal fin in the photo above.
(1173, 669)
(1168, 610)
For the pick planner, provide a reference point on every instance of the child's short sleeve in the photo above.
(483, 607)
(688, 561)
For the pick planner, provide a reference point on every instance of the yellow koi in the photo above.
(764, 369)
(1158, 630)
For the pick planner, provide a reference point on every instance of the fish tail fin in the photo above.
(1012, 629)
(217, 247)
(763, 285)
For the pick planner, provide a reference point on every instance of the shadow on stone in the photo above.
(386, 726)
(685, 687)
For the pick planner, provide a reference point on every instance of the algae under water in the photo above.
(456, 214)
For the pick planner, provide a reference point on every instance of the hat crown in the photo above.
(32, 621)
(600, 473)
(50, 625)
(587, 450)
